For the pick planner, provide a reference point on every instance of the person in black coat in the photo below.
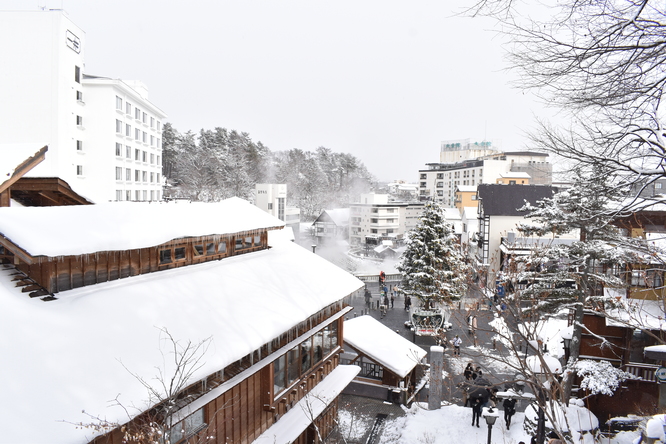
(468, 371)
(509, 405)
(476, 411)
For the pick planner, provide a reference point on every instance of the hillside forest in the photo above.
(212, 165)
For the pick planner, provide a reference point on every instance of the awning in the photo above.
(290, 426)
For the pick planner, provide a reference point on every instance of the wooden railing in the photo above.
(640, 370)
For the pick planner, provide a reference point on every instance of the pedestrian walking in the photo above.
(475, 373)
(470, 324)
(476, 411)
(457, 342)
(408, 303)
(392, 300)
(468, 371)
(395, 290)
(509, 405)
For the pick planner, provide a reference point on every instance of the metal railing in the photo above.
(640, 370)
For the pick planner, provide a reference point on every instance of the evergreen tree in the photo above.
(573, 275)
(432, 266)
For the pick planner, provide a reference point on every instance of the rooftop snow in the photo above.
(380, 343)
(119, 226)
(12, 155)
(76, 353)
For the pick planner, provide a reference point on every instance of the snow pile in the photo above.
(574, 420)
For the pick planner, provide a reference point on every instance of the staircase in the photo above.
(28, 285)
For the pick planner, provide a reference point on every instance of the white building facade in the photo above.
(439, 182)
(374, 218)
(50, 101)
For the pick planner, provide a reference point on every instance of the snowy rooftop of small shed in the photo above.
(76, 353)
(466, 188)
(339, 216)
(119, 226)
(380, 343)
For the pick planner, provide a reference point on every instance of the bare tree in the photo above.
(166, 394)
(603, 63)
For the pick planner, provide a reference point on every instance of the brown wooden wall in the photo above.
(617, 336)
(635, 396)
(57, 274)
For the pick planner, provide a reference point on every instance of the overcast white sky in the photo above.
(385, 81)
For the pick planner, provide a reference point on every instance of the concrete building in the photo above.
(438, 183)
(104, 135)
(374, 218)
(454, 151)
(272, 198)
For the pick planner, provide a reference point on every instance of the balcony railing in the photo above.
(641, 370)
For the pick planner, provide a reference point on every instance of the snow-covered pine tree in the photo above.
(432, 267)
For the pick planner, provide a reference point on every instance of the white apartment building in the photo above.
(454, 151)
(438, 183)
(272, 198)
(374, 218)
(104, 135)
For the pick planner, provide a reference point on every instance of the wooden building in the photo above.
(388, 362)
(119, 276)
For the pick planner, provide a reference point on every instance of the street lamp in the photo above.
(490, 415)
(566, 335)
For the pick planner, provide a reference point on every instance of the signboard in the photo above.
(660, 374)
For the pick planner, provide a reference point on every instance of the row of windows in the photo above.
(139, 155)
(139, 115)
(139, 195)
(139, 175)
(294, 364)
(179, 253)
(139, 135)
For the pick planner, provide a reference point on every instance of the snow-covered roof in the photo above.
(638, 313)
(515, 175)
(118, 226)
(76, 353)
(383, 345)
(296, 420)
(340, 216)
(466, 188)
(451, 214)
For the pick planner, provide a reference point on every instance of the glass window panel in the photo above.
(279, 374)
(257, 241)
(334, 334)
(248, 242)
(176, 433)
(222, 247)
(318, 345)
(198, 250)
(292, 365)
(210, 248)
(165, 256)
(179, 253)
(306, 355)
(239, 244)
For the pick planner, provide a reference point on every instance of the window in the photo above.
(79, 170)
(222, 247)
(152, 179)
(144, 117)
(119, 103)
(157, 195)
(137, 155)
(128, 130)
(152, 122)
(257, 241)
(145, 137)
(79, 121)
(198, 250)
(279, 377)
(144, 195)
(152, 140)
(137, 134)
(144, 175)
(159, 126)
(440, 175)
(128, 110)
(119, 195)
(144, 157)
(119, 126)
(77, 74)
(79, 145)
(128, 152)
(158, 160)
(128, 195)
(157, 177)
(187, 427)
(79, 96)
(512, 182)
(210, 249)
(159, 143)
(128, 175)
(137, 113)
(440, 184)
(657, 186)
(119, 149)
(119, 173)
(137, 178)
(292, 365)
(165, 255)
(179, 253)
(137, 195)
(423, 176)
(152, 158)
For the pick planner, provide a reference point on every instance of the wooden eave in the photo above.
(24, 167)
(16, 250)
(45, 191)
